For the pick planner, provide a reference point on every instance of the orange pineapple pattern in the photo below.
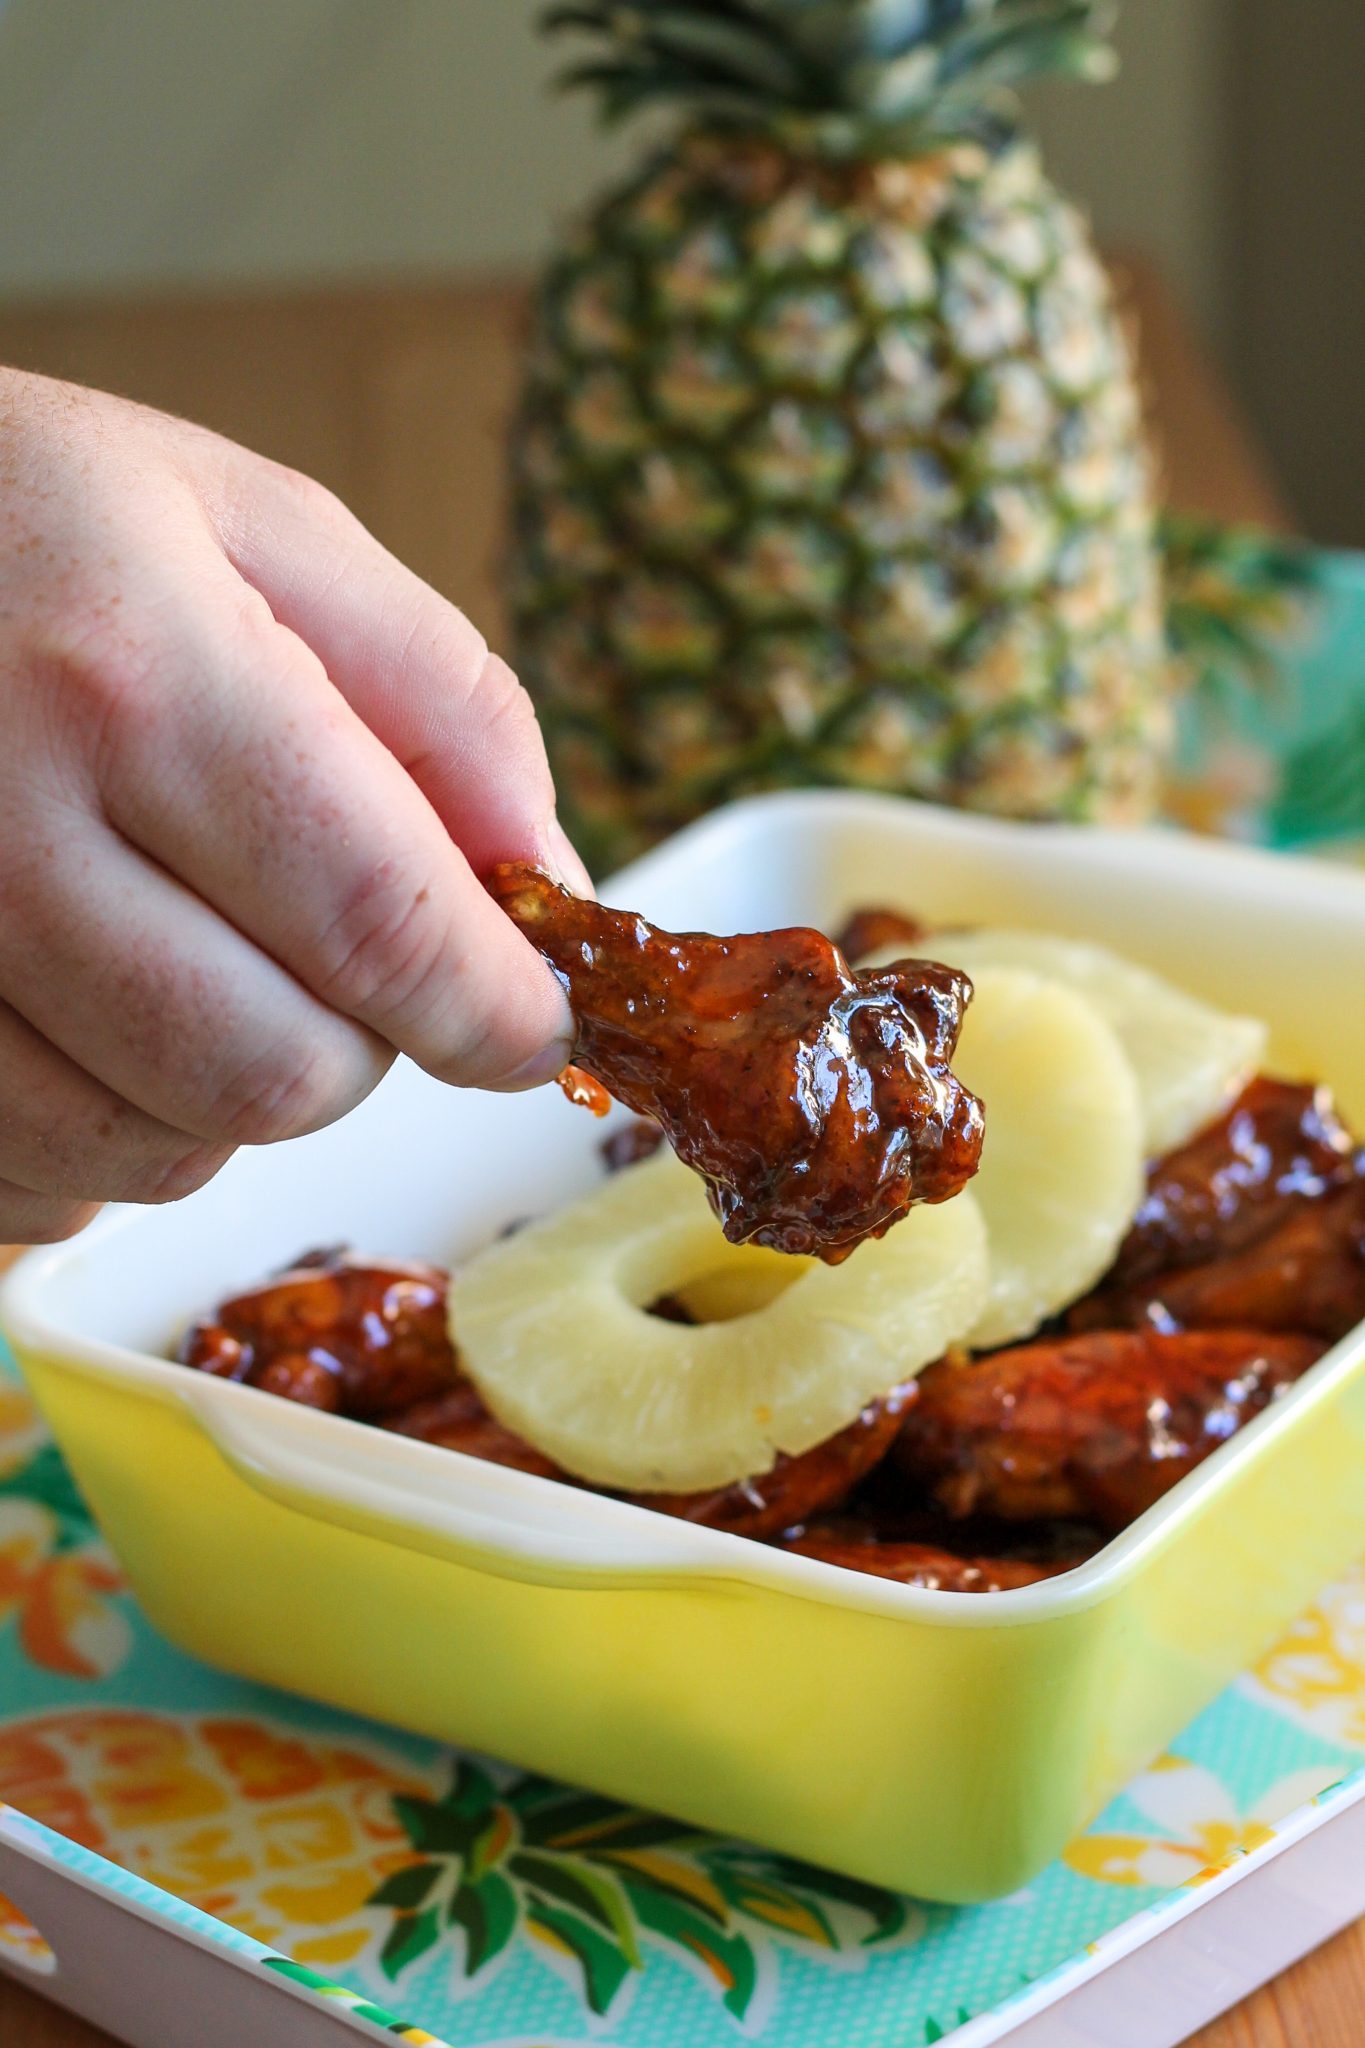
(282, 1835)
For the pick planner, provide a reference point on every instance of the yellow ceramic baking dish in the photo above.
(945, 1744)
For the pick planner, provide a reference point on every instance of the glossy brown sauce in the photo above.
(1093, 1427)
(1280, 1145)
(818, 1104)
(355, 1336)
(1258, 1221)
(1308, 1273)
(584, 1092)
(799, 1488)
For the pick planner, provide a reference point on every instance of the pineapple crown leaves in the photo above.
(1235, 597)
(848, 73)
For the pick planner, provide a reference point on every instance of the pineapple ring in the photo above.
(1061, 1170)
(1190, 1059)
(552, 1327)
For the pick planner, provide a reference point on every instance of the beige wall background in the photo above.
(165, 144)
(1298, 226)
(171, 142)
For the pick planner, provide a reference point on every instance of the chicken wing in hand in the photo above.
(816, 1103)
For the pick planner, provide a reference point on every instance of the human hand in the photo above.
(251, 773)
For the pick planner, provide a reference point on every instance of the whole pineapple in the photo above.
(829, 467)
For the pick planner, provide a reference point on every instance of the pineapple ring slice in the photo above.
(1190, 1059)
(1061, 1170)
(551, 1325)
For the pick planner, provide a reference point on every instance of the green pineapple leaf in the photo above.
(47, 1478)
(719, 49)
(471, 1789)
(728, 1958)
(886, 1910)
(569, 1820)
(488, 1911)
(433, 1826)
(604, 1964)
(777, 1906)
(573, 1882)
(887, 28)
(533, 1789)
(624, 88)
(406, 1889)
(698, 1892)
(411, 1935)
(635, 1830)
(1234, 597)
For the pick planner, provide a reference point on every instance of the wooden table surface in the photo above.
(395, 397)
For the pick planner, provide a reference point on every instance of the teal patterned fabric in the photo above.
(1282, 754)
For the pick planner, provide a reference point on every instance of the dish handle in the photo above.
(442, 1503)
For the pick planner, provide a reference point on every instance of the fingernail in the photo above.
(567, 867)
(543, 1066)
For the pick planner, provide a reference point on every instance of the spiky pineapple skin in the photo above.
(834, 473)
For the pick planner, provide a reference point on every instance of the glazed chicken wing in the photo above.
(795, 1488)
(1281, 1144)
(816, 1103)
(1308, 1273)
(1088, 1428)
(917, 1564)
(457, 1420)
(355, 1336)
(1258, 1221)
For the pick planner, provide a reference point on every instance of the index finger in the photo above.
(415, 669)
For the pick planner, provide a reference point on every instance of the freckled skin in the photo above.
(1092, 1427)
(818, 1104)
